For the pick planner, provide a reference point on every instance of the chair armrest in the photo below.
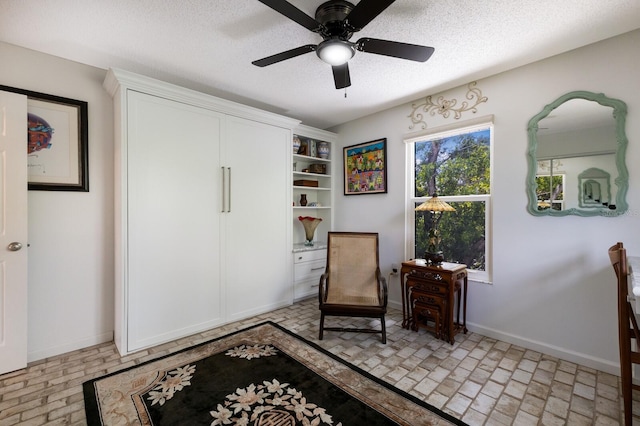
(382, 287)
(322, 287)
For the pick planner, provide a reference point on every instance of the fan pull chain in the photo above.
(345, 79)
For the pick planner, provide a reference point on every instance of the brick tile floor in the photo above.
(477, 379)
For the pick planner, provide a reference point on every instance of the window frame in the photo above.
(467, 126)
(564, 185)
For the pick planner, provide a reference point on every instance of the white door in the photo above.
(258, 224)
(174, 184)
(13, 231)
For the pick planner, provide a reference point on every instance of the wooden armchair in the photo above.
(627, 328)
(352, 284)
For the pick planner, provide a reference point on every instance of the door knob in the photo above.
(15, 246)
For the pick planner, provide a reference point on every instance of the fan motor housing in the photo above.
(331, 15)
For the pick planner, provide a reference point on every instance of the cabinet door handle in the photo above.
(317, 269)
(224, 189)
(229, 206)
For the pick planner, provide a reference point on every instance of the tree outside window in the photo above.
(457, 168)
(550, 192)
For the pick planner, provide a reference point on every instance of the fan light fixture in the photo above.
(335, 51)
(336, 21)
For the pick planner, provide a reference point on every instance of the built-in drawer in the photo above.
(308, 256)
(306, 288)
(307, 271)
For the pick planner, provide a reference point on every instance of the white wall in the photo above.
(553, 287)
(70, 302)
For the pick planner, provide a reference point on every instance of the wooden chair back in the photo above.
(353, 266)
(627, 327)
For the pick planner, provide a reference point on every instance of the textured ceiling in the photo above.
(208, 45)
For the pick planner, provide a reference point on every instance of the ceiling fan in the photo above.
(336, 21)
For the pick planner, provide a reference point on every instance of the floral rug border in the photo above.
(116, 398)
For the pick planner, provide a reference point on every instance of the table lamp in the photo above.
(434, 255)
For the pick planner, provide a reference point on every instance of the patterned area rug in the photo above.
(261, 376)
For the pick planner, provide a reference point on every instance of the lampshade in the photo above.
(434, 204)
(335, 51)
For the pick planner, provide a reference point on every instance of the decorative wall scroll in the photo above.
(445, 107)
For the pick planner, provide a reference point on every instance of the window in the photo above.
(550, 183)
(456, 165)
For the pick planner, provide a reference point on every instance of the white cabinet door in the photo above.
(13, 230)
(258, 272)
(174, 204)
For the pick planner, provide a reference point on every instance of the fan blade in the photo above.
(290, 11)
(364, 12)
(341, 76)
(269, 60)
(412, 52)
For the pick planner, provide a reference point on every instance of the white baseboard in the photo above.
(394, 304)
(249, 313)
(69, 347)
(555, 351)
(545, 348)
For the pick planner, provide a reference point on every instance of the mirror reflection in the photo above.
(595, 188)
(576, 150)
(591, 193)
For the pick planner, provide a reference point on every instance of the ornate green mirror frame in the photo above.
(574, 133)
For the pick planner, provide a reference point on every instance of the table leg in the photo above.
(403, 294)
(458, 291)
(452, 299)
(464, 310)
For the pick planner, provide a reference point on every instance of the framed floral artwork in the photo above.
(57, 142)
(365, 168)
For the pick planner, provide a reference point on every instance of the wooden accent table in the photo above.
(429, 293)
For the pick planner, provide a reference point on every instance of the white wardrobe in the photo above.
(203, 211)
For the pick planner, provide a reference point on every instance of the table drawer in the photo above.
(307, 256)
(429, 287)
(308, 270)
(419, 297)
(423, 309)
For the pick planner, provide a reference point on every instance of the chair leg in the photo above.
(321, 325)
(384, 331)
(626, 375)
(627, 393)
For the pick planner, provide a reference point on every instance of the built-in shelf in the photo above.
(312, 207)
(318, 171)
(311, 188)
(310, 158)
(310, 261)
(320, 175)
